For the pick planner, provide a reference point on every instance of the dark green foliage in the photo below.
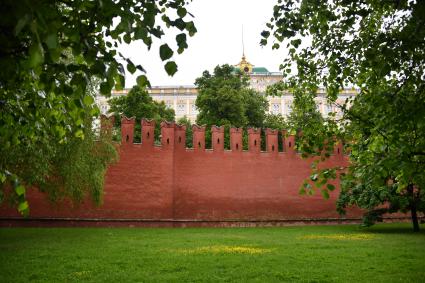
(78, 166)
(73, 168)
(189, 133)
(277, 122)
(51, 53)
(139, 104)
(378, 46)
(225, 99)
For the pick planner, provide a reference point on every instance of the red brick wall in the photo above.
(172, 182)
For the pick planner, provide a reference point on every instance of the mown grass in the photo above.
(384, 253)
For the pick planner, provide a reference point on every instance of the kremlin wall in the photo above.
(171, 185)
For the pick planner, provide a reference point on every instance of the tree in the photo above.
(379, 47)
(225, 99)
(275, 121)
(72, 167)
(139, 104)
(189, 132)
(50, 53)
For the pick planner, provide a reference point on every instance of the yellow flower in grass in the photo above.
(80, 273)
(225, 250)
(354, 237)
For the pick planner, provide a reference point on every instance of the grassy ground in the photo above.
(384, 253)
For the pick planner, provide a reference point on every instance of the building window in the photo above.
(181, 108)
(275, 108)
(338, 113)
(328, 108)
(194, 109)
(288, 107)
(318, 103)
(104, 109)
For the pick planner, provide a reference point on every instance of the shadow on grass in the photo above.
(406, 228)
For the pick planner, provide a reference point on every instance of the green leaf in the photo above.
(21, 23)
(296, 42)
(98, 68)
(148, 41)
(127, 38)
(180, 24)
(171, 68)
(95, 111)
(60, 132)
(119, 82)
(181, 42)
(2, 178)
(79, 134)
(88, 100)
(165, 52)
(140, 68)
(181, 12)
(325, 193)
(105, 89)
(52, 41)
(20, 190)
(142, 81)
(130, 67)
(140, 33)
(190, 27)
(36, 55)
(330, 187)
(23, 207)
(265, 33)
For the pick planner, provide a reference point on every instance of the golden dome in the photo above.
(244, 65)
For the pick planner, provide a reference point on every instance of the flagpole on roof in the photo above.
(243, 45)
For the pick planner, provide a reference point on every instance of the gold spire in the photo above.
(244, 65)
(243, 45)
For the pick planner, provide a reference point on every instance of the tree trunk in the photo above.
(413, 211)
(415, 219)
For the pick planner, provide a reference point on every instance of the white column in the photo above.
(282, 106)
(175, 103)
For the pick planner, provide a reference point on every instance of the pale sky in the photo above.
(218, 41)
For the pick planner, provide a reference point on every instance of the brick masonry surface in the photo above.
(169, 184)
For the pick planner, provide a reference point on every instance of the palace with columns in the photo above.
(182, 98)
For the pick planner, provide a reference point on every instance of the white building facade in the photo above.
(182, 98)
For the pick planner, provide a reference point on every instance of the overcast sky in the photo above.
(218, 41)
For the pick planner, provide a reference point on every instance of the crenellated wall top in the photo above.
(173, 134)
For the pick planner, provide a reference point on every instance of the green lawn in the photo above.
(384, 253)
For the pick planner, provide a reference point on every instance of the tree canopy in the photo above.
(139, 104)
(224, 98)
(51, 52)
(189, 132)
(379, 48)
